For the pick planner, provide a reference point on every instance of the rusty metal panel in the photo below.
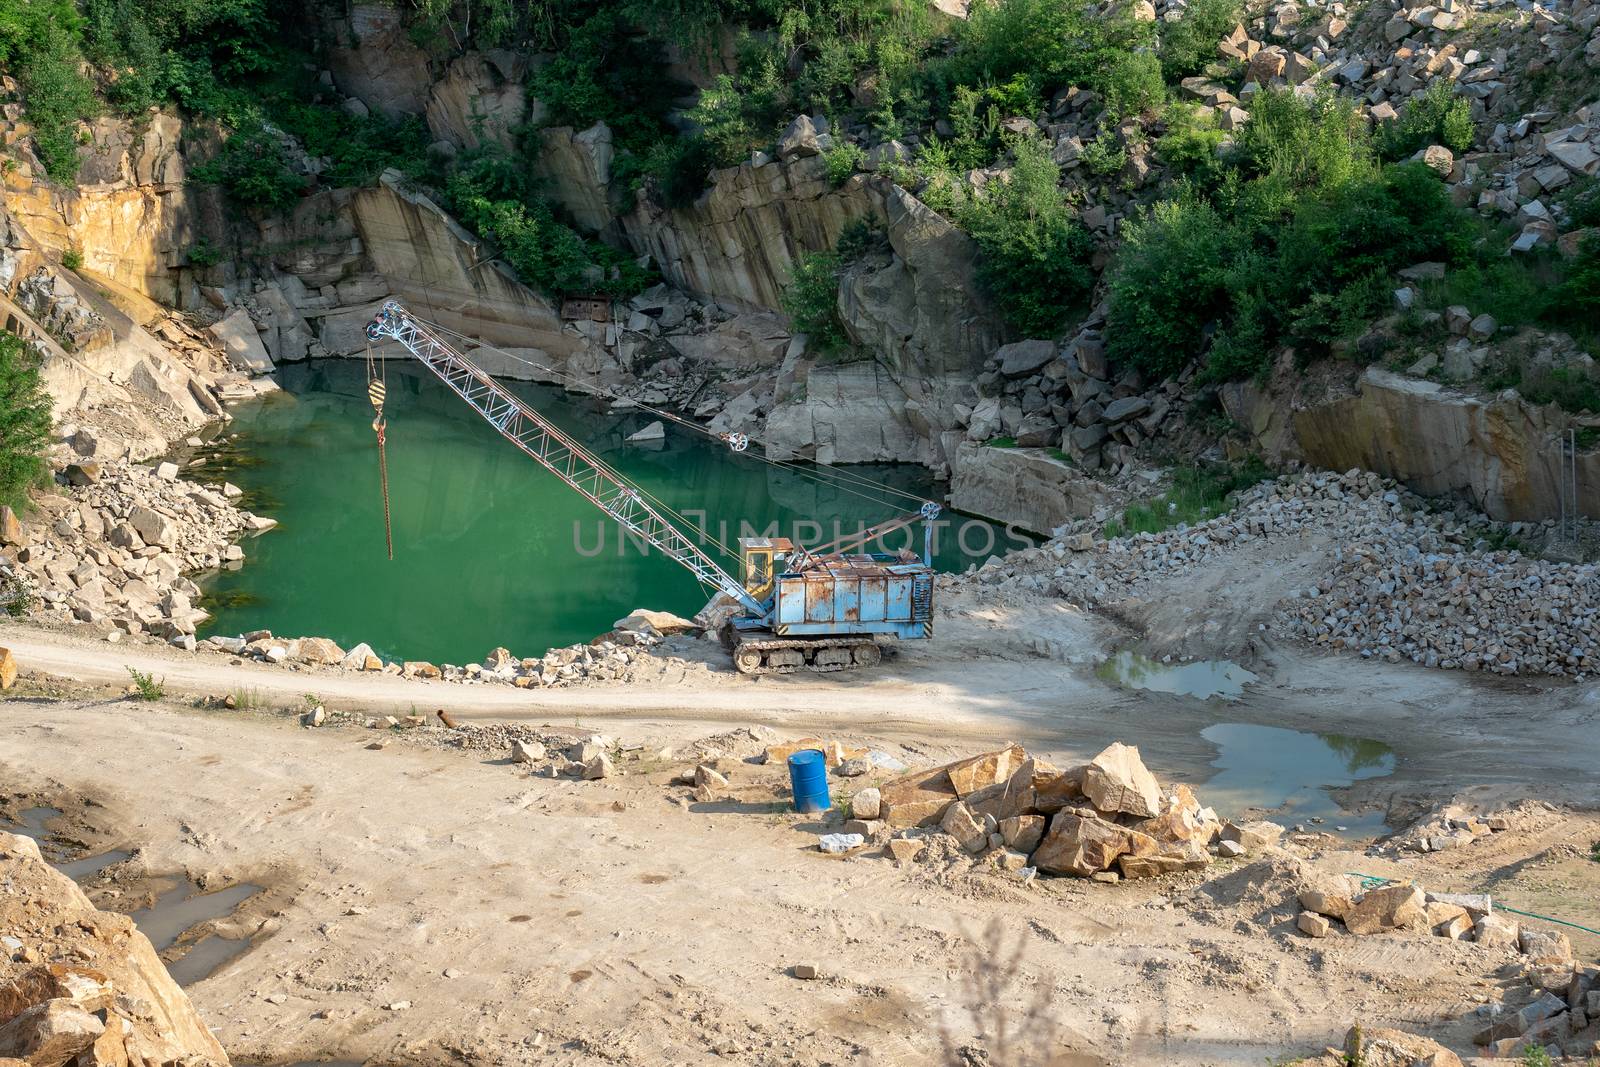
(791, 600)
(819, 598)
(847, 600)
(899, 608)
(875, 598)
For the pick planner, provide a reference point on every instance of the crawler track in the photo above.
(791, 655)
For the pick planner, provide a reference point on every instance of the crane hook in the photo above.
(738, 442)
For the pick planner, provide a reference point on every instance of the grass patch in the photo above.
(248, 699)
(1001, 442)
(1198, 493)
(146, 686)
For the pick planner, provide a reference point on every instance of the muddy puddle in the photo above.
(174, 913)
(1287, 775)
(1204, 679)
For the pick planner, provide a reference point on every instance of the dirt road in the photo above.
(1020, 671)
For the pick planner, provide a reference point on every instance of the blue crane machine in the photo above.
(789, 609)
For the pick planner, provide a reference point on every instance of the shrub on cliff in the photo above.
(1033, 252)
(39, 44)
(1294, 244)
(812, 301)
(24, 419)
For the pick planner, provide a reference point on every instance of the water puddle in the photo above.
(32, 823)
(1202, 678)
(1288, 774)
(180, 909)
(175, 911)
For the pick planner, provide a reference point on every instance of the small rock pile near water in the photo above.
(1108, 819)
(1403, 583)
(611, 657)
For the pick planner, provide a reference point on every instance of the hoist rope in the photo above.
(377, 392)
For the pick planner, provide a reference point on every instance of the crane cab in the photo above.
(761, 560)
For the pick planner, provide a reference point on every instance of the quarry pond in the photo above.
(489, 549)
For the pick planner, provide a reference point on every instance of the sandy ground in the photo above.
(610, 922)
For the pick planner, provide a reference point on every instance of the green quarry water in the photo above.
(1289, 773)
(490, 549)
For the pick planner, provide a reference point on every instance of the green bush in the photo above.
(1105, 154)
(602, 71)
(1132, 84)
(546, 253)
(252, 170)
(146, 686)
(1295, 243)
(738, 115)
(1191, 143)
(811, 299)
(841, 161)
(1295, 145)
(1033, 253)
(1577, 299)
(1190, 43)
(72, 258)
(203, 254)
(1169, 282)
(193, 51)
(55, 93)
(1199, 492)
(1437, 116)
(1052, 42)
(1582, 201)
(24, 420)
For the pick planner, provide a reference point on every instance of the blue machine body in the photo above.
(867, 594)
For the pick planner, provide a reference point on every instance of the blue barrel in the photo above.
(808, 776)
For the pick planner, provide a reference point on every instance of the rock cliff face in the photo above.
(130, 216)
(479, 100)
(1500, 452)
(738, 243)
(118, 388)
(345, 251)
(84, 986)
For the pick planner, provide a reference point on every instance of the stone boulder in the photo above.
(916, 799)
(801, 139)
(1117, 782)
(1395, 1048)
(361, 658)
(126, 1008)
(1388, 907)
(1441, 442)
(576, 167)
(968, 776)
(375, 60)
(237, 335)
(1021, 358)
(480, 99)
(1027, 488)
(320, 650)
(1083, 844)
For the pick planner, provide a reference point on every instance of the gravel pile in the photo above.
(1405, 583)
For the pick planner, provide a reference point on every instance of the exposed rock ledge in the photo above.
(1498, 451)
(1025, 487)
(84, 986)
